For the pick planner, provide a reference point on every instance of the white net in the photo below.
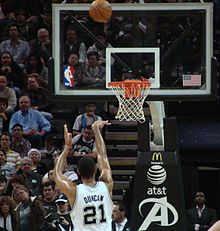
(131, 97)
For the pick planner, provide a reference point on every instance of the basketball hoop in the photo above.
(131, 95)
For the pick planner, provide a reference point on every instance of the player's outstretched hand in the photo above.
(99, 124)
(67, 137)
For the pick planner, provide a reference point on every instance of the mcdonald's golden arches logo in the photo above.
(157, 156)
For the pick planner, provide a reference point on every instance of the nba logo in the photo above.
(69, 76)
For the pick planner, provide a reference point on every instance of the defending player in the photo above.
(90, 201)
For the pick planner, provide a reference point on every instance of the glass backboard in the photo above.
(170, 44)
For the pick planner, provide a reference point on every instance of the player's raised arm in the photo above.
(63, 183)
(103, 163)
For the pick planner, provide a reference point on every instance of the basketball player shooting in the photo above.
(90, 201)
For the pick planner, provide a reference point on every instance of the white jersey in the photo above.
(92, 210)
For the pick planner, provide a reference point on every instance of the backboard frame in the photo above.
(165, 94)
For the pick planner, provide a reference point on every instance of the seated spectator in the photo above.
(96, 47)
(42, 45)
(4, 115)
(60, 220)
(49, 196)
(30, 210)
(34, 124)
(49, 152)
(120, 221)
(32, 11)
(8, 215)
(200, 217)
(76, 68)
(94, 74)
(85, 119)
(36, 65)
(38, 166)
(18, 142)
(19, 49)
(12, 156)
(13, 182)
(73, 45)
(23, 25)
(6, 169)
(3, 184)
(32, 179)
(13, 72)
(83, 145)
(7, 93)
(44, 21)
(38, 96)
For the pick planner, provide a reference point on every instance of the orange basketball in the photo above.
(100, 10)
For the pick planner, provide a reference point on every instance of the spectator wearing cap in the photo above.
(85, 119)
(30, 210)
(37, 166)
(60, 220)
(18, 142)
(32, 179)
(94, 74)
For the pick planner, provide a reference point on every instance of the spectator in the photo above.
(200, 217)
(3, 184)
(45, 21)
(34, 124)
(13, 182)
(7, 93)
(38, 96)
(4, 115)
(73, 45)
(12, 156)
(8, 216)
(120, 221)
(49, 196)
(23, 25)
(18, 142)
(38, 166)
(42, 45)
(84, 144)
(36, 65)
(85, 119)
(32, 11)
(13, 72)
(96, 47)
(19, 49)
(33, 180)
(94, 74)
(6, 169)
(49, 152)
(61, 220)
(30, 210)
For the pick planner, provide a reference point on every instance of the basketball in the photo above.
(100, 10)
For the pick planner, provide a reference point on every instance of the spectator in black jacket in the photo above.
(200, 217)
